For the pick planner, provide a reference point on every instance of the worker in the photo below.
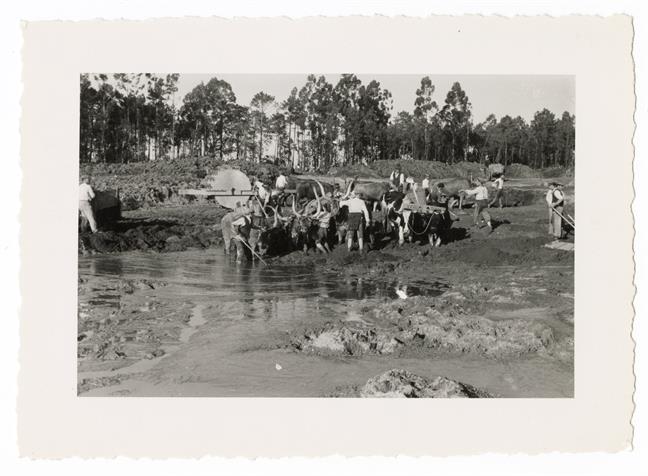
(425, 185)
(86, 195)
(498, 185)
(262, 192)
(481, 203)
(397, 178)
(323, 217)
(549, 200)
(557, 209)
(238, 229)
(357, 211)
(281, 183)
(438, 196)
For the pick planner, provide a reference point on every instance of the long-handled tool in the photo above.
(251, 250)
(567, 220)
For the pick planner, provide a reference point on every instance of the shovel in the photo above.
(251, 250)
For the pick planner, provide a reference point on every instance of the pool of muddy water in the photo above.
(241, 312)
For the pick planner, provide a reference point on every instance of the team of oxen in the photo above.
(293, 222)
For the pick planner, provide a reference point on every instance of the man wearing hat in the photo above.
(239, 227)
(397, 178)
(556, 201)
(481, 203)
(357, 211)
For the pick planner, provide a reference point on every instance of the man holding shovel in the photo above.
(556, 209)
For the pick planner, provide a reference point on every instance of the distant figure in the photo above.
(281, 183)
(549, 200)
(86, 195)
(425, 185)
(262, 192)
(557, 208)
(498, 185)
(397, 178)
(481, 203)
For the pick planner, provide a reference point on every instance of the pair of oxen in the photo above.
(269, 232)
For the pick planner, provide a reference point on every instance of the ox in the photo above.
(433, 223)
(452, 190)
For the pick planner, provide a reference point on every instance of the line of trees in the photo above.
(132, 117)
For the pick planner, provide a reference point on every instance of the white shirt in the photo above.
(281, 182)
(480, 193)
(549, 197)
(498, 183)
(425, 183)
(261, 190)
(558, 196)
(85, 192)
(356, 205)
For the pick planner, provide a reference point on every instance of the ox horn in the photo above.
(275, 224)
(321, 188)
(346, 195)
(297, 214)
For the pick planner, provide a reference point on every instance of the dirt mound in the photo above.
(516, 197)
(357, 170)
(521, 171)
(338, 339)
(399, 383)
(149, 184)
(418, 168)
(150, 237)
(419, 325)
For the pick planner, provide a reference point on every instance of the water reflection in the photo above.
(260, 291)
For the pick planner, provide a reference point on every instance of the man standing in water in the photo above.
(357, 209)
(86, 195)
(481, 204)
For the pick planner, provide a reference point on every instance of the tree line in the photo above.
(133, 117)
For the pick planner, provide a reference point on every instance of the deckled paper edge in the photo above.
(24, 212)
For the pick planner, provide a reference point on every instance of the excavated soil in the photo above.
(399, 383)
(485, 314)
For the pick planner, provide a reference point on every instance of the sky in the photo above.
(514, 95)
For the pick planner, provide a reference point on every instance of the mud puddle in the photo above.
(193, 324)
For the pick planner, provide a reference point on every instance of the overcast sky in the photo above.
(501, 95)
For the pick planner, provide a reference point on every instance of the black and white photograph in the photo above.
(326, 235)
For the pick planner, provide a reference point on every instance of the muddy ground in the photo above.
(483, 315)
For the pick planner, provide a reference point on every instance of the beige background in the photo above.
(53, 422)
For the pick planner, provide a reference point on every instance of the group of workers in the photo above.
(436, 195)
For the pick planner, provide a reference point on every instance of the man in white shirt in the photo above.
(481, 204)
(557, 207)
(549, 200)
(86, 194)
(357, 208)
(425, 185)
(498, 185)
(262, 192)
(281, 182)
